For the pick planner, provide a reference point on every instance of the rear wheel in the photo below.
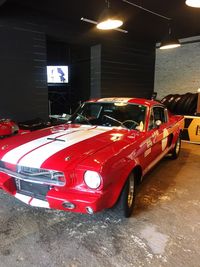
(126, 200)
(176, 150)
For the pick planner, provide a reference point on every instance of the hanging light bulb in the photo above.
(109, 24)
(169, 41)
(170, 44)
(107, 21)
(193, 3)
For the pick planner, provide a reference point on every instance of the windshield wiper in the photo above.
(84, 118)
(111, 118)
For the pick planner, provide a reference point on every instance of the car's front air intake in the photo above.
(34, 175)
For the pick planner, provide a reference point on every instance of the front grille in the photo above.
(35, 172)
(33, 175)
(32, 189)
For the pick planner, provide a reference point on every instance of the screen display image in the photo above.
(57, 74)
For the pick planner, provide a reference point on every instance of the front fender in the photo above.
(115, 180)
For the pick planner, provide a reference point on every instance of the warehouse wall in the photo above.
(177, 71)
(95, 68)
(23, 71)
(66, 97)
(126, 67)
(122, 69)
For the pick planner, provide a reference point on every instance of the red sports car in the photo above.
(8, 128)
(95, 160)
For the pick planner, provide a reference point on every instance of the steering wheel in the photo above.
(130, 124)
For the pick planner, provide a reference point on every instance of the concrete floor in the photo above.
(163, 231)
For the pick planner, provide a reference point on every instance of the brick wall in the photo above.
(177, 71)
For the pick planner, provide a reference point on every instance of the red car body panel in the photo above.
(8, 128)
(73, 149)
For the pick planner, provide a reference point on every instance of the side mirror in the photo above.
(158, 123)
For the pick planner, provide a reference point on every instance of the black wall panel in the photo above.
(80, 74)
(23, 83)
(127, 70)
(66, 98)
(95, 69)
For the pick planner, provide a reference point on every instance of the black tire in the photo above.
(173, 105)
(176, 150)
(188, 104)
(180, 108)
(165, 100)
(170, 101)
(193, 108)
(192, 105)
(125, 203)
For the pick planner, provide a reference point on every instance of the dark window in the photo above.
(157, 113)
(131, 116)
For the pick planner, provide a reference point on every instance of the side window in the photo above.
(151, 120)
(157, 113)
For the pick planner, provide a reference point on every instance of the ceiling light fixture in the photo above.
(193, 3)
(169, 41)
(107, 21)
(95, 23)
(109, 24)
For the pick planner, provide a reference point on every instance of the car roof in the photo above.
(140, 101)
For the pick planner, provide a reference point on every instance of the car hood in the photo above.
(61, 146)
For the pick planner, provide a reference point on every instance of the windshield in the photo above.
(131, 116)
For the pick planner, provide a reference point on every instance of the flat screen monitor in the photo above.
(57, 74)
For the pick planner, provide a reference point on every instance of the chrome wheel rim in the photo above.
(131, 190)
(178, 145)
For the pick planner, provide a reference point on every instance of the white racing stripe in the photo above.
(115, 99)
(38, 156)
(15, 154)
(39, 203)
(23, 198)
(32, 201)
(41, 149)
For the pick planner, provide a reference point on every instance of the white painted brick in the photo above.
(177, 71)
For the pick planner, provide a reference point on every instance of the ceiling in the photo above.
(140, 24)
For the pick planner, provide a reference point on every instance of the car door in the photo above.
(160, 126)
(149, 144)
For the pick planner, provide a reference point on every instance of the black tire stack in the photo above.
(181, 104)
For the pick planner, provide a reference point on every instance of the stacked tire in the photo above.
(181, 104)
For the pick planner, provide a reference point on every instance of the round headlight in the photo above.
(92, 179)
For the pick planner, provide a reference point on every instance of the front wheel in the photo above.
(176, 150)
(126, 200)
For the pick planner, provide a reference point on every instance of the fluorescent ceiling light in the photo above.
(109, 24)
(169, 46)
(193, 3)
(169, 41)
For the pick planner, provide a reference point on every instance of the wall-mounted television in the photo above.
(57, 74)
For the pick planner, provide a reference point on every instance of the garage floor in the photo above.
(163, 231)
